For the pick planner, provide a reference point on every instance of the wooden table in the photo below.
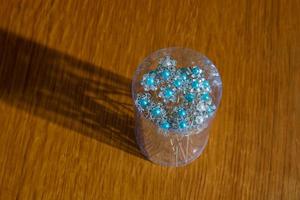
(67, 127)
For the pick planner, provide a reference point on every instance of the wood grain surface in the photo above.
(66, 117)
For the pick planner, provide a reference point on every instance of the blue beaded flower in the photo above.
(149, 81)
(183, 73)
(205, 96)
(156, 112)
(196, 71)
(143, 101)
(167, 94)
(182, 125)
(178, 82)
(181, 112)
(165, 125)
(165, 74)
(189, 97)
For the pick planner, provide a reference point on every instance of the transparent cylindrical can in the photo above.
(174, 149)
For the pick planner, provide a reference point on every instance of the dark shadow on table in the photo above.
(74, 94)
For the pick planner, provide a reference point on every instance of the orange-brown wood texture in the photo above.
(66, 116)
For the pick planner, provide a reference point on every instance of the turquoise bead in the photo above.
(205, 84)
(178, 83)
(195, 70)
(205, 97)
(165, 125)
(183, 75)
(181, 112)
(168, 93)
(150, 81)
(189, 97)
(165, 74)
(155, 112)
(195, 84)
(210, 111)
(183, 125)
(143, 102)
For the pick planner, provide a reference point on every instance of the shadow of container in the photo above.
(71, 93)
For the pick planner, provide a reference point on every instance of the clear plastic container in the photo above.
(174, 149)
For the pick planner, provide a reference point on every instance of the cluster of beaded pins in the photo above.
(175, 99)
